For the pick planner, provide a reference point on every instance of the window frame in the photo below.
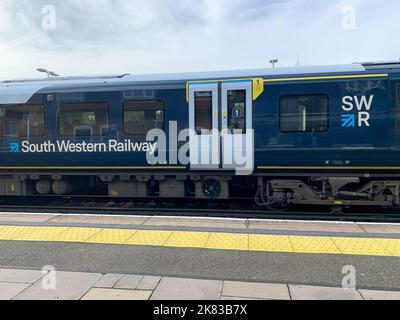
(43, 106)
(302, 95)
(106, 103)
(229, 118)
(200, 131)
(123, 116)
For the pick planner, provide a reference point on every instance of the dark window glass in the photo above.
(237, 110)
(22, 121)
(83, 119)
(305, 113)
(203, 106)
(142, 116)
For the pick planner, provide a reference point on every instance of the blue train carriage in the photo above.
(285, 136)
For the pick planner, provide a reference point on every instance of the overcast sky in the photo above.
(76, 37)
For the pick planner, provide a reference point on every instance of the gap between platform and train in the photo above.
(387, 247)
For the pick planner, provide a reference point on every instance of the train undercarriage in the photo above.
(274, 193)
(342, 192)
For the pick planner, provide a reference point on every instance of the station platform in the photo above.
(17, 284)
(236, 257)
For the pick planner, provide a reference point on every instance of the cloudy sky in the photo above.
(75, 37)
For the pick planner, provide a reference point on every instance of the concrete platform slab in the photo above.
(256, 290)
(109, 280)
(116, 294)
(238, 298)
(20, 276)
(304, 226)
(380, 295)
(10, 290)
(380, 228)
(69, 286)
(323, 293)
(148, 283)
(137, 221)
(197, 223)
(187, 289)
(128, 282)
(29, 218)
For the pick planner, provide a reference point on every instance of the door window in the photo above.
(237, 111)
(203, 106)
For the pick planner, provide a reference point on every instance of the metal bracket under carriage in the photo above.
(280, 194)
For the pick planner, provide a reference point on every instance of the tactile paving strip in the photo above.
(39, 233)
(207, 240)
(111, 236)
(391, 245)
(228, 241)
(76, 234)
(188, 240)
(270, 243)
(360, 246)
(314, 245)
(149, 238)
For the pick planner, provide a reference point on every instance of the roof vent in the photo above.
(393, 64)
(100, 77)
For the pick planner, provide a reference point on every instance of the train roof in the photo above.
(20, 91)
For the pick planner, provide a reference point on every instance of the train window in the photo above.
(304, 113)
(22, 121)
(203, 106)
(83, 119)
(142, 116)
(237, 110)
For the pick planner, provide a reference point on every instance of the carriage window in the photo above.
(83, 119)
(305, 113)
(237, 110)
(142, 116)
(203, 106)
(22, 121)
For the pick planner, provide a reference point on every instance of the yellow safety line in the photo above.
(356, 76)
(326, 168)
(207, 240)
(382, 75)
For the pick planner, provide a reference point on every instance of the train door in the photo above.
(221, 130)
(237, 126)
(204, 126)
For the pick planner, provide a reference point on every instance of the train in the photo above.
(279, 137)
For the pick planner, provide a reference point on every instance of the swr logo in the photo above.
(356, 105)
(14, 147)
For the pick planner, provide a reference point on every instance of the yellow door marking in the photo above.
(257, 85)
